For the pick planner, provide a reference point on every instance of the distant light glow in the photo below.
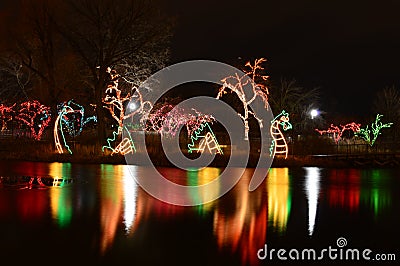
(314, 113)
(132, 106)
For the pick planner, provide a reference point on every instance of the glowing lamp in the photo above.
(314, 113)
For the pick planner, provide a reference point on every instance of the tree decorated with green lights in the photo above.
(371, 134)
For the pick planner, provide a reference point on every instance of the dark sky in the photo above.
(350, 49)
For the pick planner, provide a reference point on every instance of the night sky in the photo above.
(350, 49)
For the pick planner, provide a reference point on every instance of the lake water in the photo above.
(61, 213)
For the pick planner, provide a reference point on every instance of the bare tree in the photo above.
(247, 88)
(108, 34)
(66, 46)
(16, 80)
(297, 101)
(36, 54)
(387, 103)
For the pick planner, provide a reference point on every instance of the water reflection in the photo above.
(130, 197)
(348, 188)
(61, 206)
(107, 206)
(344, 189)
(375, 193)
(243, 226)
(60, 170)
(279, 198)
(32, 205)
(111, 195)
(202, 177)
(312, 188)
(60, 199)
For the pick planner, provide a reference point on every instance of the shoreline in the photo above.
(332, 161)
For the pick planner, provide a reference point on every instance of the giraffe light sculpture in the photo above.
(279, 144)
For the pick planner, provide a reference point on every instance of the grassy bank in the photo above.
(45, 152)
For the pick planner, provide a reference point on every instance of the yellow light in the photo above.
(279, 198)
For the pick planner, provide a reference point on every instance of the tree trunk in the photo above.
(100, 112)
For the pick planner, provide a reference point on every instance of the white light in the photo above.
(130, 197)
(312, 188)
(132, 106)
(314, 113)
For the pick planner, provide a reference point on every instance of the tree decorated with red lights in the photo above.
(6, 113)
(167, 120)
(253, 79)
(338, 131)
(36, 116)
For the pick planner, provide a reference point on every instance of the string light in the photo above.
(6, 113)
(72, 116)
(208, 140)
(167, 120)
(279, 144)
(126, 145)
(115, 102)
(376, 127)
(58, 124)
(338, 131)
(237, 85)
(74, 119)
(38, 179)
(36, 116)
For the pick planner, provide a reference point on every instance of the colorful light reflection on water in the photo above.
(239, 223)
(355, 188)
(279, 198)
(312, 188)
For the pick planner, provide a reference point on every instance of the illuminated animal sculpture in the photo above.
(124, 147)
(71, 118)
(208, 141)
(279, 144)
